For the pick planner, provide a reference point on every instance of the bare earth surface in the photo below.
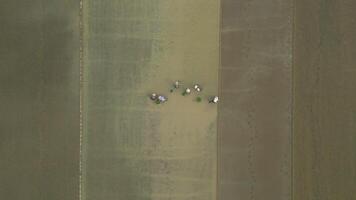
(134, 149)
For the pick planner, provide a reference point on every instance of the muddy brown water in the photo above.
(132, 147)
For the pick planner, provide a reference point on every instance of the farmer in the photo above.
(176, 84)
(197, 87)
(153, 96)
(162, 99)
(215, 99)
(186, 91)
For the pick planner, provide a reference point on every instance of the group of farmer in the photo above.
(161, 98)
